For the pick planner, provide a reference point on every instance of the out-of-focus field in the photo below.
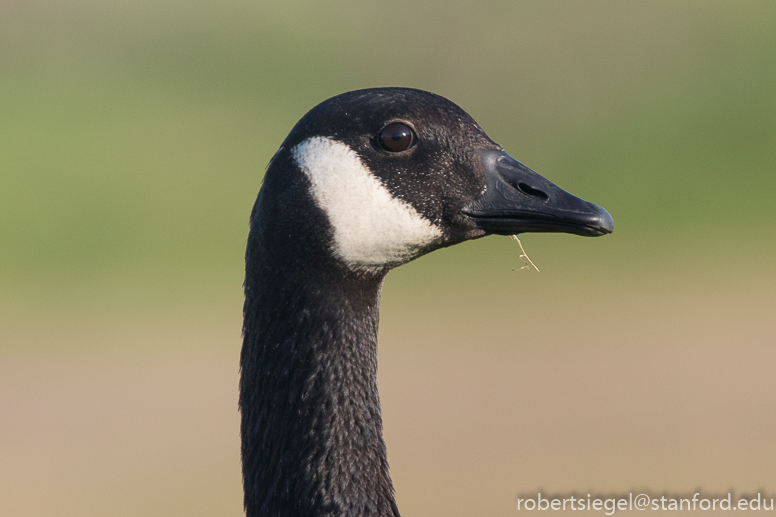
(133, 136)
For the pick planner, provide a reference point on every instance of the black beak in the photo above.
(517, 200)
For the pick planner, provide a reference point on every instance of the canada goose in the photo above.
(365, 181)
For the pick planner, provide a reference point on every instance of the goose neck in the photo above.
(311, 424)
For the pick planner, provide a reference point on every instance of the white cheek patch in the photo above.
(371, 227)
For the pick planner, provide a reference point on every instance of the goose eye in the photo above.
(396, 137)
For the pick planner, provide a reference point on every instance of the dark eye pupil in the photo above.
(396, 137)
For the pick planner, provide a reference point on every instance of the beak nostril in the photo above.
(528, 190)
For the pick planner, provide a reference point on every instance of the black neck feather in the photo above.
(311, 427)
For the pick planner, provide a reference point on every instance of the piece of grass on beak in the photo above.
(523, 256)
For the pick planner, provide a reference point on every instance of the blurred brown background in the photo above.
(133, 137)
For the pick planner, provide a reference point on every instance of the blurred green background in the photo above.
(133, 137)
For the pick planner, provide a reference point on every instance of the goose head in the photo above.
(381, 176)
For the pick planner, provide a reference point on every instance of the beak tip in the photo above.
(607, 223)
